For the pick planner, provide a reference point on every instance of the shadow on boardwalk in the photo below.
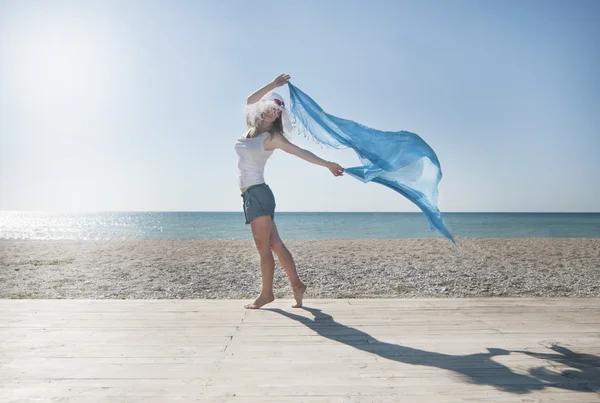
(472, 368)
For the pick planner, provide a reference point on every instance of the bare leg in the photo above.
(287, 261)
(261, 231)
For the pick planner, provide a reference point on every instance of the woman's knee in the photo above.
(262, 245)
(277, 244)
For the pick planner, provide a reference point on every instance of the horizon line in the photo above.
(297, 211)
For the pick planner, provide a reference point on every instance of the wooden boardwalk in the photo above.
(380, 351)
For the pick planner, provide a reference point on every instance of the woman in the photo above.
(265, 119)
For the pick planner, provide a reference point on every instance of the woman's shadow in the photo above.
(477, 368)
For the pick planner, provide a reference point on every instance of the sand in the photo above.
(400, 268)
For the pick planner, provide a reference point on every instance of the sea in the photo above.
(28, 225)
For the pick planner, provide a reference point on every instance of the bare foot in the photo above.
(298, 294)
(261, 301)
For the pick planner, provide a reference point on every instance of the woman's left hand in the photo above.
(335, 169)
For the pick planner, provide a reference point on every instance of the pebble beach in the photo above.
(398, 268)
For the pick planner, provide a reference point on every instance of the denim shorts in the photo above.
(258, 201)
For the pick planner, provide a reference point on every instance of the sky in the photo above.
(136, 105)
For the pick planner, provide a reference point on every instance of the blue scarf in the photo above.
(401, 160)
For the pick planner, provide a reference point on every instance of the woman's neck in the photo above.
(258, 130)
(264, 128)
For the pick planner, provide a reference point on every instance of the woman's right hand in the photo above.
(335, 169)
(281, 80)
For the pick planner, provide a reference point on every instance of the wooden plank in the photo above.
(95, 369)
(161, 390)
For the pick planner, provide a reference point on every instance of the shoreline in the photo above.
(360, 268)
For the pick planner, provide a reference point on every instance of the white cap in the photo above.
(268, 102)
(272, 96)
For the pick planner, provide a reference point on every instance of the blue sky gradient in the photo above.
(136, 105)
